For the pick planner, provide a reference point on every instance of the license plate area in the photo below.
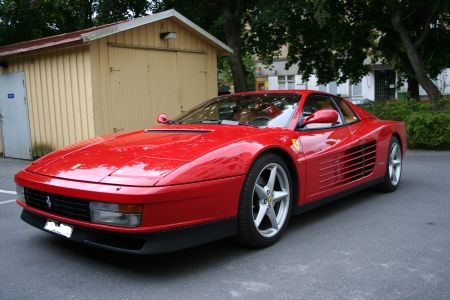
(59, 228)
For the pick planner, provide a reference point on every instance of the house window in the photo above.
(323, 88)
(357, 89)
(331, 87)
(286, 82)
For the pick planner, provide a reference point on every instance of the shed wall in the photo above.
(156, 67)
(58, 85)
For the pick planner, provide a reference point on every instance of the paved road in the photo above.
(367, 246)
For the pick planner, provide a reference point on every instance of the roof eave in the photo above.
(93, 35)
(49, 47)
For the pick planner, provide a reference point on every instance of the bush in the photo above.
(429, 129)
(425, 128)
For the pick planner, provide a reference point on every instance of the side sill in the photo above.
(319, 202)
(145, 243)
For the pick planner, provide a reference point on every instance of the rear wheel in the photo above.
(393, 168)
(265, 202)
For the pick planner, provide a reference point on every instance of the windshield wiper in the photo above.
(171, 122)
(207, 122)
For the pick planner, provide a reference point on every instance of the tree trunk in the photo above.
(414, 57)
(234, 42)
(413, 89)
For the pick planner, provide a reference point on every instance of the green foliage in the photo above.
(109, 11)
(425, 128)
(204, 13)
(429, 129)
(333, 39)
(23, 20)
(41, 149)
(224, 76)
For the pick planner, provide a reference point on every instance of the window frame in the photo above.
(286, 82)
(342, 120)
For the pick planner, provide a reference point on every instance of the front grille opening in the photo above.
(71, 207)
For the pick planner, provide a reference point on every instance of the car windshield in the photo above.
(271, 110)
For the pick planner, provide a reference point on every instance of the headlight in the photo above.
(20, 190)
(126, 215)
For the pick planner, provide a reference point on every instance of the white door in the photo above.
(15, 125)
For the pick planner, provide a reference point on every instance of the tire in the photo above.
(393, 167)
(265, 202)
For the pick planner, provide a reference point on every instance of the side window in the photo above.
(315, 103)
(347, 112)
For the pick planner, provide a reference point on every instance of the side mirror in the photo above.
(322, 116)
(162, 118)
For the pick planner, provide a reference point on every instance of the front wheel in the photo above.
(265, 202)
(393, 168)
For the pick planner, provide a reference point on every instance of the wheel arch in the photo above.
(292, 172)
(397, 135)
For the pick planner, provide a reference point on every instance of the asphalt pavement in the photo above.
(369, 245)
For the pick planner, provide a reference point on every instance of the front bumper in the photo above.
(144, 243)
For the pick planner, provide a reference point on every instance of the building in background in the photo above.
(380, 83)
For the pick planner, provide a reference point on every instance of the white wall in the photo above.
(345, 90)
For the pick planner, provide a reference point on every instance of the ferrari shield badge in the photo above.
(296, 145)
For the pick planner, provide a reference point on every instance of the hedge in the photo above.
(425, 128)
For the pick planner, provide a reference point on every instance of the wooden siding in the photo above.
(142, 86)
(156, 85)
(73, 93)
(58, 86)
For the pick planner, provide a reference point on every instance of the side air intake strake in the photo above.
(348, 166)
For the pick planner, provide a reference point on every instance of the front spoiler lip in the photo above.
(144, 243)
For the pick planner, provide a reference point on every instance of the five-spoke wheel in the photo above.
(265, 202)
(393, 168)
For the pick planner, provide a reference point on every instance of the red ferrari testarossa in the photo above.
(235, 166)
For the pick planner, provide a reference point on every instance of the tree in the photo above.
(422, 18)
(23, 20)
(333, 38)
(213, 15)
(225, 77)
(109, 11)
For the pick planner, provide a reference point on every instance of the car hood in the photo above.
(147, 155)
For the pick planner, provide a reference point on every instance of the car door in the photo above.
(332, 156)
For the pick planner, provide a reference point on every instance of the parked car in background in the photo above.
(361, 102)
(237, 165)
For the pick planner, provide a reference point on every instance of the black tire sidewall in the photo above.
(247, 199)
(387, 184)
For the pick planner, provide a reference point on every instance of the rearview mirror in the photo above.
(162, 118)
(322, 116)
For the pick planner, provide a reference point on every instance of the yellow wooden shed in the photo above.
(112, 78)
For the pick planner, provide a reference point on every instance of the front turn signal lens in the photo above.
(130, 208)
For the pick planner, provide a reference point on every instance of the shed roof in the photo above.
(90, 34)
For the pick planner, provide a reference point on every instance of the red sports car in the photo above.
(235, 166)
